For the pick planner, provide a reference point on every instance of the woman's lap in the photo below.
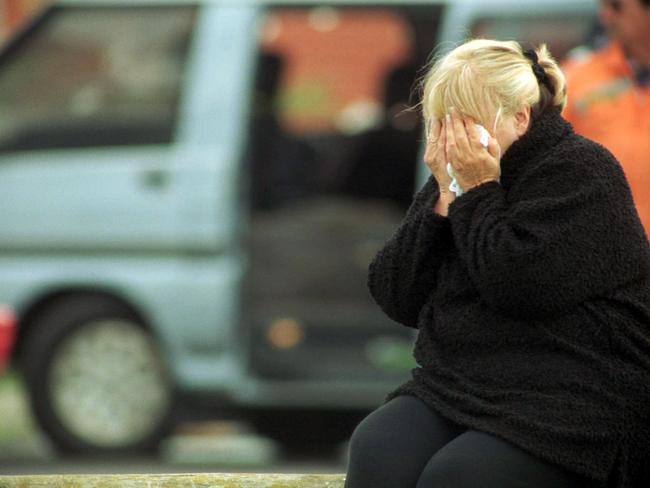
(391, 446)
(405, 444)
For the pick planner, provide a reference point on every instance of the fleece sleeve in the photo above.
(403, 274)
(565, 233)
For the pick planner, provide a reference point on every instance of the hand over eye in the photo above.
(473, 164)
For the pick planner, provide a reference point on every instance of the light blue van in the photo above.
(191, 193)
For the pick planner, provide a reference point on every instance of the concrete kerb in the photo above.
(203, 480)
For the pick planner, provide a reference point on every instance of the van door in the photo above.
(335, 144)
(89, 98)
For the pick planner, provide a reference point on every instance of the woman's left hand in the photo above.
(473, 163)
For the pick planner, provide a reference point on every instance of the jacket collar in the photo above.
(544, 133)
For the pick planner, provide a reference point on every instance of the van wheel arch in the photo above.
(29, 317)
(78, 318)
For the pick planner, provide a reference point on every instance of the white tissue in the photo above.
(484, 135)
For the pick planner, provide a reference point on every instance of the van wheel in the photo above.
(96, 379)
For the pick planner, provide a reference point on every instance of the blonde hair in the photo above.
(487, 80)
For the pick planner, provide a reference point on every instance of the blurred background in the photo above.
(191, 194)
(16, 13)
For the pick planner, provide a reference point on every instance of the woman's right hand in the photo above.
(435, 158)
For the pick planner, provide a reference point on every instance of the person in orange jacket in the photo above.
(609, 93)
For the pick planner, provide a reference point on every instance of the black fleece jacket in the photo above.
(532, 300)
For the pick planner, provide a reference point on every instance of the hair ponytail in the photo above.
(555, 77)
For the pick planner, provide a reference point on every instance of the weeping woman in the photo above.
(530, 290)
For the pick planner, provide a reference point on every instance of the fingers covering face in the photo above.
(463, 136)
(433, 134)
(435, 141)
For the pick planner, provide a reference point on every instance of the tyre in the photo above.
(95, 378)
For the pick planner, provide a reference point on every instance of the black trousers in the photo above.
(404, 444)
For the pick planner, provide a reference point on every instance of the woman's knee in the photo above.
(361, 439)
(479, 459)
(371, 458)
(367, 443)
(449, 472)
(390, 446)
(403, 423)
(394, 443)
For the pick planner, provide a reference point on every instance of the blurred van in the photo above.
(191, 194)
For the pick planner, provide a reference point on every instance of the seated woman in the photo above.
(530, 290)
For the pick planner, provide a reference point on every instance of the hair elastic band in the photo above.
(539, 71)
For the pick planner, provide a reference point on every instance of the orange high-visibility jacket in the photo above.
(607, 105)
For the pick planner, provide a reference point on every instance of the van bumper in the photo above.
(226, 381)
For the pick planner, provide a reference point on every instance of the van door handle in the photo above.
(155, 178)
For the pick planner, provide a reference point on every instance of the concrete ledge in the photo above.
(243, 480)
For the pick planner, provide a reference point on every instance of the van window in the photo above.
(334, 96)
(94, 77)
(335, 148)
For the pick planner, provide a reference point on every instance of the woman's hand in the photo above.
(436, 160)
(473, 163)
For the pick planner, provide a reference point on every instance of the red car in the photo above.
(7, 334)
